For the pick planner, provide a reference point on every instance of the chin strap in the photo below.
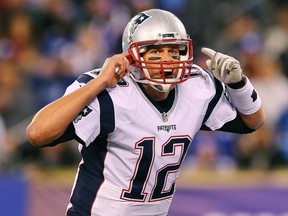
(165, 87)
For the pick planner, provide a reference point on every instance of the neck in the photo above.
(154, 94)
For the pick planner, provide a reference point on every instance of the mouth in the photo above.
(168, 74)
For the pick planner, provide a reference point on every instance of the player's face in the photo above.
(162, 53)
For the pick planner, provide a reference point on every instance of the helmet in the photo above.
(157, 27)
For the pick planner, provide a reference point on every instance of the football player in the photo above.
(135, 117)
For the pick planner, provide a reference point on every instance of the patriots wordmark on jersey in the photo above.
(132, 147)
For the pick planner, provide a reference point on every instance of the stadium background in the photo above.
(46, 44)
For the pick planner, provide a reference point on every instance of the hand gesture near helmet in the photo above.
(115, 68)
(68, 107)
(225, 68)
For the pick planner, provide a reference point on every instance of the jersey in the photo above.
(132, 149)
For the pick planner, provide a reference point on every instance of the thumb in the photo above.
(208, 63)
(208, 52)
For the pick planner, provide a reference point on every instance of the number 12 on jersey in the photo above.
(136, 191)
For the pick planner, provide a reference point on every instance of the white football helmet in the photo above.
(157, 27)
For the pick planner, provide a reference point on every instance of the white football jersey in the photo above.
(132, 149)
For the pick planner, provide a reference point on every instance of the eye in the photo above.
(174, 52)
(176, 57)
(154, 51)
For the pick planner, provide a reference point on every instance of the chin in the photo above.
(165, 87)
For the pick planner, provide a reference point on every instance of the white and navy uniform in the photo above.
(132, 148)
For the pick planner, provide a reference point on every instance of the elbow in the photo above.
(34, 136)
(256, 120)
(262, 122)
(259, 121)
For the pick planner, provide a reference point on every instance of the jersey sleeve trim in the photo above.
(68, 135)
(215, 99)
(107, 114)
(84, 78)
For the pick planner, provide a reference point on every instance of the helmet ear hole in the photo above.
(184, 51)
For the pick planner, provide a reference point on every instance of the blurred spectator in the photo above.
(282, 134)
(240, 34)
(16, 98)
(212, 150)
(3, 143)
(258, 151)
(283, 58)
(276, 35)
(88, 50)
(18, 44)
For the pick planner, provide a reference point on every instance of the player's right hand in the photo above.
(115, 68)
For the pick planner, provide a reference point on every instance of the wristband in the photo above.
(239, 84)
(245, 99)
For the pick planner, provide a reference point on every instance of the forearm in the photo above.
(255, 120)
(52, 120)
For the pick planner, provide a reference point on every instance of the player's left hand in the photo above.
(225, 68)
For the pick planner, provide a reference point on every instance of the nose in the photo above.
(166, 56)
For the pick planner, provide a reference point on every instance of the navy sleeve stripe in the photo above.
(84, 78)
(214, 101)
(107, 117)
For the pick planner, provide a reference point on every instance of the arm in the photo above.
(52, 120)
(255, 120)
(242, 93)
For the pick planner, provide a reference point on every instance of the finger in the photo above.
(223, 65)
(121, 63)
(117, 76)
(121, 71)
(208, 52)
(208, 63)
(229, 66)
(224, 70)
(125, 60)
(129, 58)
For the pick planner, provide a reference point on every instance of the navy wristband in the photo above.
(238, 85)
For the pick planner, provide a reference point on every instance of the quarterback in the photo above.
(135, 117)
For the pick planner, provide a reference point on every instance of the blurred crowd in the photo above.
(46, 44)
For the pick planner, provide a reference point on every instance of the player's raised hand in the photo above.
(225, 68)
(115, 68)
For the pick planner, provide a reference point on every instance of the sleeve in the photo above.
(87, 123)
(220, 110)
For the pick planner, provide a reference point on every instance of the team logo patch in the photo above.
(140, 19)
(83, 113)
